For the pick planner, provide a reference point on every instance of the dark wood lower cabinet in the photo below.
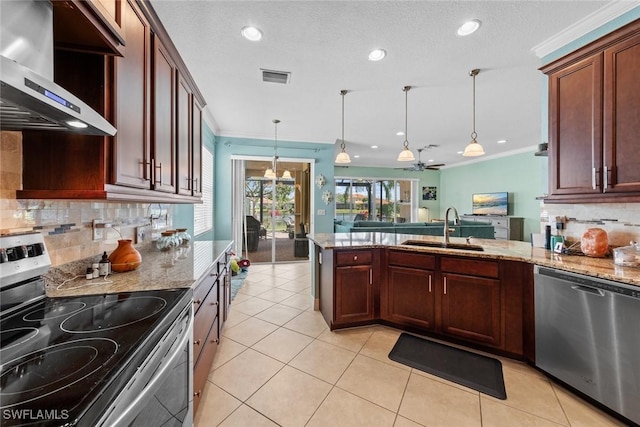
(471, 308)
(411, 297)
(211, 300)
(354, 301)
(203, 364)
(469, 300)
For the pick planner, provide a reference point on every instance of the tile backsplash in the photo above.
(621, 221)
(67, 225)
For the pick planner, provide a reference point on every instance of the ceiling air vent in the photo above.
(272, 76)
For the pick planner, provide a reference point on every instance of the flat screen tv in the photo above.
(490, 203)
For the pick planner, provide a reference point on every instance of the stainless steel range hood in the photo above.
(29, 99)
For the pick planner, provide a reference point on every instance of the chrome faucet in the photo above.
(446, 224)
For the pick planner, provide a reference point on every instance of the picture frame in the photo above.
(429, 193)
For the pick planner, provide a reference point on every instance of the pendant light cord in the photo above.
(275, 147)
(342, 146)
(473, 74)
(406, 114)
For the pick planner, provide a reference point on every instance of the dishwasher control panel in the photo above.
(607, 285)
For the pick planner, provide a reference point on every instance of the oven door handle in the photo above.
(123, 419)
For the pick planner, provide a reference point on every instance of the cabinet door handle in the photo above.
(214, 341)
(144, 164)
(371, 276)
(196, 394)
(198, 301)
(159, 167)
(445, 285)
(593, 178)
(196, 342)
(214, 303)
(355, 257)
(605, 178)
(429, 283)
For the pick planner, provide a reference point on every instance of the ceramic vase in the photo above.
(125, 257)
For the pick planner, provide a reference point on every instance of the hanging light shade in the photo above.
(343, 156)
(271, 172)
(286, 174)
(474, 148)
(406, 155)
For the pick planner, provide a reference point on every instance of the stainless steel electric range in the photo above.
(100, 360)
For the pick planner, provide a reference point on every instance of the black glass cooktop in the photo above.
(61, 358)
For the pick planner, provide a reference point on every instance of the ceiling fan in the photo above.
(420, 166)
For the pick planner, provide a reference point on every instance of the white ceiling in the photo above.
(324, 44)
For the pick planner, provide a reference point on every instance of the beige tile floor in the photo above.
(278, 364)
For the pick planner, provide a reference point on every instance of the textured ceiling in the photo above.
(324, 44)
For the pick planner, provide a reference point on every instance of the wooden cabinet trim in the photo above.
(411, 259)
(596, 46)
(346, 258)
(472, 267)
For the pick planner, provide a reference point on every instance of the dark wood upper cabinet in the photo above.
(147, 94)
(184, 134)
(196, 149)
(131, 144)
(622, 117)
(575, 124)
(164, 119)
(594, 120)
(89, 26)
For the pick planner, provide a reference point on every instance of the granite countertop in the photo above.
(495, 249)
(179, 268)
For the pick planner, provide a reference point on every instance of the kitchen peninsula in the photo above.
(479, 298)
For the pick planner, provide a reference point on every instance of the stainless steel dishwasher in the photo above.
(588, 336)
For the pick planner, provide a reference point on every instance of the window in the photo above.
(203, 213)
(389, 200)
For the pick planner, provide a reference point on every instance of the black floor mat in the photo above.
(472, 370)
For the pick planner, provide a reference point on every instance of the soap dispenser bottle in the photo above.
(104, 265)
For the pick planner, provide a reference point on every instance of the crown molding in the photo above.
(480, 159)
(589, 23)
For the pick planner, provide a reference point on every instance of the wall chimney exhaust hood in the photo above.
(29, 99)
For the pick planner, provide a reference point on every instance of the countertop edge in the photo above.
(603, 268)
(158, 271)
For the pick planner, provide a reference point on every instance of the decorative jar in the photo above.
(125, 257)
(183, 236)
(167, 240)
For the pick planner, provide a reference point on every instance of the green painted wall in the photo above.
(519, 174)
(228, 146)
(429, 178)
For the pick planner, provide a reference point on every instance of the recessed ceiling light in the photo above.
(469, 27)
(460, 152)
(502, 141)
(377, 54)
(356, 156)
(374, 146)
(430, 160)
(251, 33)
(400, 133)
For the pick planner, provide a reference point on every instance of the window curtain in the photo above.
(237, 204)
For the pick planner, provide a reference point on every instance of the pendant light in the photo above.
(270, 173)
(406, 155)
(343, 156)
(474, 148)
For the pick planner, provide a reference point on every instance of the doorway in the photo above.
(276, 211)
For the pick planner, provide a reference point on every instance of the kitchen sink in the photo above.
(462, 246)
